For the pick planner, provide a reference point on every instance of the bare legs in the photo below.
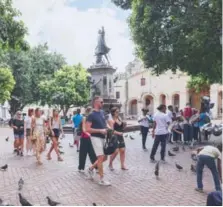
(99, 164)
(122, 158)
(28, 144)
(54, 147)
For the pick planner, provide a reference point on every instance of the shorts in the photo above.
(56, 133)
(76, 137)
(98, 145)
(28, 132)
(121, 142)
(19, 136)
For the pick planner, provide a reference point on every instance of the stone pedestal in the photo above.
(103, 77)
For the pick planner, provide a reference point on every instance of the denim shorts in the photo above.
(19, 136)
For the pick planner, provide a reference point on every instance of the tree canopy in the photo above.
(178, 34)
(68, 88)
(29, 68)
(7, 83)
(12, 30)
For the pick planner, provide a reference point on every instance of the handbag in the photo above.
(34, 136)
(110, 144)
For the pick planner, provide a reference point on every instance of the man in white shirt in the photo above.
(144, 127)
(160, 132)
(207, 156)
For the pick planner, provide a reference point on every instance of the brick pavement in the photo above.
(137, 186)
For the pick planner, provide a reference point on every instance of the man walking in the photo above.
(160, 132)
(76, 123)
(96, 125)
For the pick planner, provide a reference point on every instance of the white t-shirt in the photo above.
(144, 122)
(162, 121)
(28, 121)
(211, 151)
(170, 115)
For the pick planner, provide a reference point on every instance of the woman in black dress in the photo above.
(118, 125)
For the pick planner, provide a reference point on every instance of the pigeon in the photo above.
(23, 201)
(7, 139)
(171, 154)
(70, 145)
(131, 137)
(183, 148)
(156, 172)
(4, 167)
(61, 152)
(178, 166)
(126, 135)
(94, 204)
(175, 149)
(51, 202)
(192, 168)
(21, 183)
(60, 146)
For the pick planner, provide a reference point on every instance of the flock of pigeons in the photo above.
(179, 167)
(24, 202)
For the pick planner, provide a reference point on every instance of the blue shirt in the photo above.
(77, 120)
(202, 119)
(98, 121)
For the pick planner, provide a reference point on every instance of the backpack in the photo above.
(80, 129)
(110, 144)
(207, 119)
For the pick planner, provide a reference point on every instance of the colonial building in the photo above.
(139, 88)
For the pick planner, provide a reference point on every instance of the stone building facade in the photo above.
(139, 88)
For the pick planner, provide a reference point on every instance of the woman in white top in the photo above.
(144, 124)
(27, 123)
(38, 134)
(55, 128)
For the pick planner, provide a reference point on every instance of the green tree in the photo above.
(198, 83)
(67, 89)
(7, 83)
(29, 68)
(12, 30)
(178, 34)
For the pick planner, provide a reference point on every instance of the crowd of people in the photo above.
(90, 132)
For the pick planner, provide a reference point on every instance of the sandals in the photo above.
(49, 157)
(123, 168)
(111, 168)
(59, 159)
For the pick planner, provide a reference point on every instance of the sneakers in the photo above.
(81, 171)
(163, 161)
(104, 183)
(152, 160)
(91, 173)
(200, 190)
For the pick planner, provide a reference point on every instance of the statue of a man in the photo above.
(101, 48)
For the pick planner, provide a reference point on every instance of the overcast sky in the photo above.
(70, 27)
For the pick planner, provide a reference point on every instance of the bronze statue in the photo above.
(101, 49)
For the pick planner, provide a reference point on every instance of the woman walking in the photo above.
(160, 132)
(38, 134)
(55, 128)
(86, 147)
(144, 124)
(18, 128)
(28, 122)
(118, 125)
